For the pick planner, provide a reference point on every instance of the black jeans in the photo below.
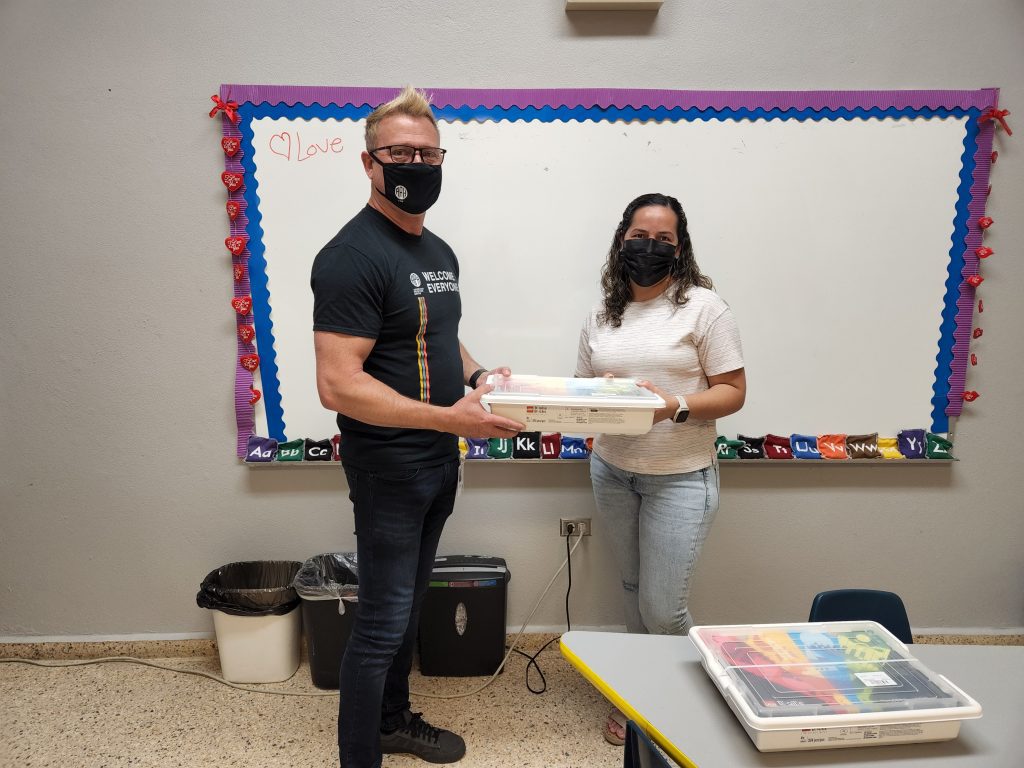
(399, 517)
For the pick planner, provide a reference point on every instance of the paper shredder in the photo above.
(463, 618)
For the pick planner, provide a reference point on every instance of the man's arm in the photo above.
(346, 388)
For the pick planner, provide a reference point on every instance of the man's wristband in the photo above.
(475, 376)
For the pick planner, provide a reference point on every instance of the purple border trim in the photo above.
(616, 97)
(244, 411)
(983, 99)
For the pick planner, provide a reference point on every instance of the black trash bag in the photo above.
(256, 588)
(332, 575)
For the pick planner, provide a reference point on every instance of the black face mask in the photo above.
(413, 187)
(647, 261)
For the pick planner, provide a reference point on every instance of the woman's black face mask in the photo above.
(647, 261)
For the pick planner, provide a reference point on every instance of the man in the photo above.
(389, 362)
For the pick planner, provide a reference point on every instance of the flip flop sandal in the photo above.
(611, 735)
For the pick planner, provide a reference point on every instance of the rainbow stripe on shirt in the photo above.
(421, 353)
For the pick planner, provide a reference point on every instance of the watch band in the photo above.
(682, 412)
(475, 376)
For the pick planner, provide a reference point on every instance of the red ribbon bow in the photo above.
(997, 114)
(231, 108)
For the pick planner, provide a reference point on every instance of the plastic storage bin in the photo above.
(581, 406)
(328, 587)
(463, 617)
(829, 685)
(255, 619)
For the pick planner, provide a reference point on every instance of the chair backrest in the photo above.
(868, 604)
(639, 751)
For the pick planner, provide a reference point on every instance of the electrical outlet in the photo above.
(573, 526)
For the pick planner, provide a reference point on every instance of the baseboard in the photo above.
(189, 644)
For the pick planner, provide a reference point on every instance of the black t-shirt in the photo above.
(377, 281)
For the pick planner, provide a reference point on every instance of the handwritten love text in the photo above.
(289, 146)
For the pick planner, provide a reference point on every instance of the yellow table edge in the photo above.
(609, 693)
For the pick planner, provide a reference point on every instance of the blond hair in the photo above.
(410, 102)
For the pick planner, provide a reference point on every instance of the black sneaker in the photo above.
(418, 737)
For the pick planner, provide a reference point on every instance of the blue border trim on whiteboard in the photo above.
(257, 260)
(260, 291)
(954, 279)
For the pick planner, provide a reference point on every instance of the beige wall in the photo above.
(119, 488)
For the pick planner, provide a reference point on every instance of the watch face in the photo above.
(681, 416)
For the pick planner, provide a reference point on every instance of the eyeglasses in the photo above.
(403, 153)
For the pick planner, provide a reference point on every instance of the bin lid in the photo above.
(519, 389)
(469, 568)
(781, 673)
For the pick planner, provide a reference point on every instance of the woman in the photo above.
(657, 493)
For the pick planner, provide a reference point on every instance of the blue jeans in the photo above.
(399, 517)
(656, 525)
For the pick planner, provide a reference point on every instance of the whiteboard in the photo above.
(829, 238)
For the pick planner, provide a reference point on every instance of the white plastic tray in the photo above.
(583, 406)
(829, 685)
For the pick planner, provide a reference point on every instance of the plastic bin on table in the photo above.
(254, 618)
(825, 685)
(328, 587)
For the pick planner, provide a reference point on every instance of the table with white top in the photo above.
(658, 682)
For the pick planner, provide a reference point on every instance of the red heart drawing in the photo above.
(285, 139)
(235, 244)
(975, 280)
(239, 270)
(242, 304)
(256, 395)
(230, 145)
(246, 333)
(233, 209)
(978, 332)
(250, 362)
(985, 222)
(232, 181)
(981, 305)
(984, 252)
(970, 396)
(974, 359)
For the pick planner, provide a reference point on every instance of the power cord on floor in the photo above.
(279, 692)
(568, 624)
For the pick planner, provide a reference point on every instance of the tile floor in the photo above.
(111, 715)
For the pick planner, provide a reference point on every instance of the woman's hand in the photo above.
(671, 401)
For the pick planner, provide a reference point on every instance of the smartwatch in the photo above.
(682, 412)
(475, 376)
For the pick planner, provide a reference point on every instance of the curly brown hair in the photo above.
(614, 280)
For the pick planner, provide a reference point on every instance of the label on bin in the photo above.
(873, 679)
(561, 415)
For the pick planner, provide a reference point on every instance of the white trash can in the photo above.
(256, 619)
(258, 649)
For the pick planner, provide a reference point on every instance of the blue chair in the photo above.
(863, 604)
(639, 751)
